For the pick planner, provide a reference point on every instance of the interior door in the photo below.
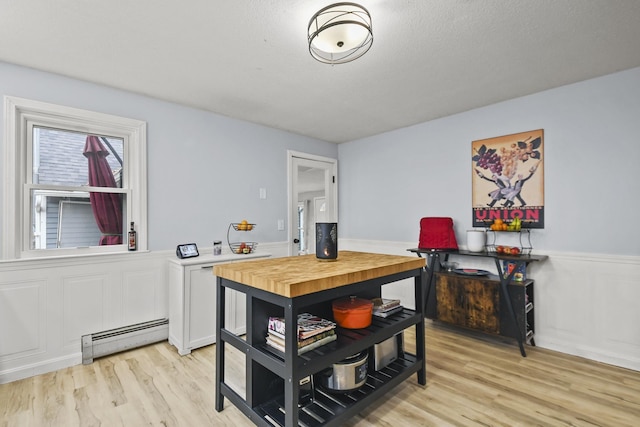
(313, 197)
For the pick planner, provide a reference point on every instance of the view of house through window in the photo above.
(77, 180)
(67, 211)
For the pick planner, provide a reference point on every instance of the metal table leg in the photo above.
(431, 265)
(504, 288)
(220, 316)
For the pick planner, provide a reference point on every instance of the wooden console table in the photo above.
(288, 286)
(433, 265)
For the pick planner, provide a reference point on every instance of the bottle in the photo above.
(217, 247)
(132, 238)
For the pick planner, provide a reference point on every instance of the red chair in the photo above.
(437, 233)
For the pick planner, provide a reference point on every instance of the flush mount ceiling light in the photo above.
(340, 33)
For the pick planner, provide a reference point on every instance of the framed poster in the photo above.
(507, 177)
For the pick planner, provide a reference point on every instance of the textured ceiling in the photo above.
(249, 59)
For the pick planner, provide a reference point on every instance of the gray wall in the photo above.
(205, 170)
(592, 174)
(387, 182)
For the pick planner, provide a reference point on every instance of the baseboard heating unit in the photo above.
(124, 338)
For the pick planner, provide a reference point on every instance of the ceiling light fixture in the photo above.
(340, 33)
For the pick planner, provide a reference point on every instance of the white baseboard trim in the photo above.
(39, 368)
(591, 353)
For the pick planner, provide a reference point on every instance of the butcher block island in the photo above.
(281, 387)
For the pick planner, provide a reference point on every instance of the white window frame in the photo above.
(20, 115)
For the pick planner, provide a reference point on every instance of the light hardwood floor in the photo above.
(472, 380)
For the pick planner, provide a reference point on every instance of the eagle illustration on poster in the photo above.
(507, 177)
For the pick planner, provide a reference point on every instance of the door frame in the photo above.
(292, 197)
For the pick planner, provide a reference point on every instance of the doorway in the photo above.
(313, 197)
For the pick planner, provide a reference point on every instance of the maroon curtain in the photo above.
(107, 207)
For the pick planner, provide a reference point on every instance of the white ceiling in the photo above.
(249, 59)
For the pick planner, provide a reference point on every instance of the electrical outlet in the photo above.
(263, 193)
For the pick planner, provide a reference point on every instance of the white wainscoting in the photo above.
(586, 304)
(46, 305)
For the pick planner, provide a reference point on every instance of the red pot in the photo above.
(352, 312)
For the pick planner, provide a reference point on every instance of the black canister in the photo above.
(327, 241)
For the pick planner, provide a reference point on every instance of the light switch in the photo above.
(280, 224)
(263, 193)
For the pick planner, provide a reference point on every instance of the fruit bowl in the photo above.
(243, 226)
(243, 247)
(505, 250)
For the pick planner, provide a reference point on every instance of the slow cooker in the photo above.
(347, 375)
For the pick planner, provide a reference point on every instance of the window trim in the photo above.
(19, 113)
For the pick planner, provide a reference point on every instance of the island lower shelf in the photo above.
(326, 407)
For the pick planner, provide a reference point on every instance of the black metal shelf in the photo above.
(517, 317)
(329, 409)
(348, 342)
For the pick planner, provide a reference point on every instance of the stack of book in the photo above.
(313, 331)
(383, 307)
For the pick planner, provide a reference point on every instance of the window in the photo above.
(74, 181)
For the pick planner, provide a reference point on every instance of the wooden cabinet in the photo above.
(192, 301)
(475, 302)
(288, 286)
(471, 303)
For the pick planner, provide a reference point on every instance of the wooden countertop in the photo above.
(300, 275)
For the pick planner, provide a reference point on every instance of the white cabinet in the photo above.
(192, 301)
